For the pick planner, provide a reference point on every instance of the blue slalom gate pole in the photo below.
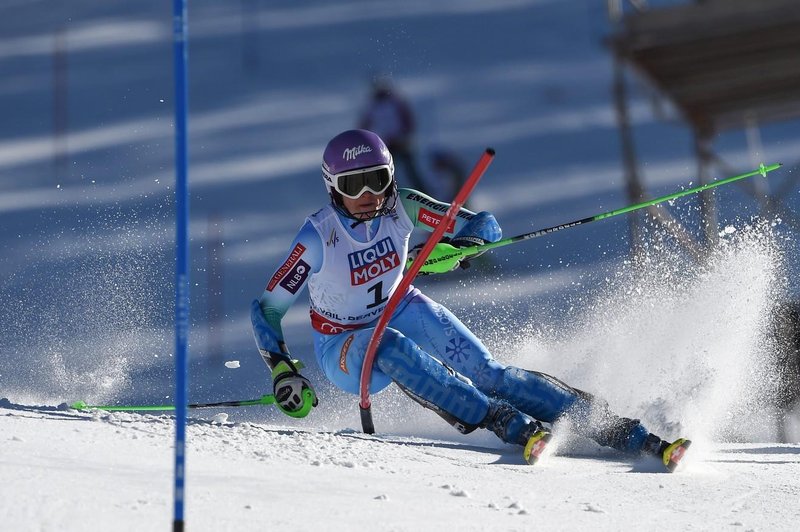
(180, 41)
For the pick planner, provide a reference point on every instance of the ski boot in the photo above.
(670, 454)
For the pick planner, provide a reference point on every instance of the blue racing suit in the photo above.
(425, 349)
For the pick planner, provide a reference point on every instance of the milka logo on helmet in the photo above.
(369, 263)
(351, 153)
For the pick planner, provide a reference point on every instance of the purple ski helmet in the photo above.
(356, 161)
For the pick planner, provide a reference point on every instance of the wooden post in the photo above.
(633, 185)
(705, 156)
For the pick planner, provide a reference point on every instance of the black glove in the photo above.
(288, 386)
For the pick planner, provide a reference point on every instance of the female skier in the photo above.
(351, 254)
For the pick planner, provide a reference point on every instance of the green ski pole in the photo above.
(264, 400)
(267, 399)
(445, 257)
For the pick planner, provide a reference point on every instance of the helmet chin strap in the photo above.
(354, 216)
(360, 220)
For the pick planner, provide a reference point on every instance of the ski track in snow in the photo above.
(113, 471)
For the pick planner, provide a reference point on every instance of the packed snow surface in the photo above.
(78, 471)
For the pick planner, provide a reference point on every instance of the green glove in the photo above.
(294, 394)
(444, 258)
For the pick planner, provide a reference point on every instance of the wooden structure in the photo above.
(724, 64)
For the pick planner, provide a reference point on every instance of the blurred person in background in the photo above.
(389, 115)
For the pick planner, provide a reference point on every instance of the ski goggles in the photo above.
(353, 184)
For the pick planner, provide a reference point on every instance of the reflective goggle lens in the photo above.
(353, 185)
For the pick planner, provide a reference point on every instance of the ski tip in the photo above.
(79, 405)
(535, 446)
(674, 454)
(490, 151)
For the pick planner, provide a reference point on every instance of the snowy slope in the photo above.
(86, 268)
(75, 471)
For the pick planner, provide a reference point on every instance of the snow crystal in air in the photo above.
(686, 345)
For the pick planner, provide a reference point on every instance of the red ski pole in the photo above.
(366, 370)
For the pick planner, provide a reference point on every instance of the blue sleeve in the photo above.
(303, 260)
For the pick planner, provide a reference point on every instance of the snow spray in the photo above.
(85, 311)
(686, 347)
